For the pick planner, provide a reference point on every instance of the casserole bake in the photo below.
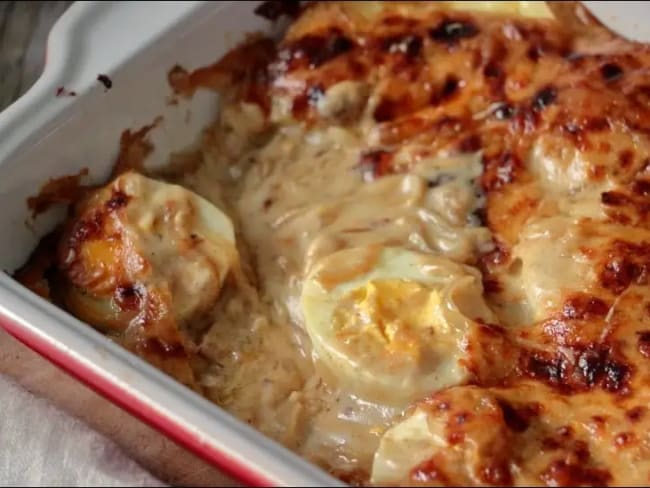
(424, 256)
(45, 136)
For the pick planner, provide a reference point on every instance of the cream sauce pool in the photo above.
(296, 195)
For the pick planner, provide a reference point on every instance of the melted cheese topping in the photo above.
(498, 142)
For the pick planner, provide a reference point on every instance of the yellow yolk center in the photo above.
(397, 316)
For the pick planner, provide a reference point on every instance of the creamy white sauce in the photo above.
(295, 197)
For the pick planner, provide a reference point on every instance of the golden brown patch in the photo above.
(134, 149)
(62, 190)
(243, 67)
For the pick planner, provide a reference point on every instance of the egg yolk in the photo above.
(397, 316)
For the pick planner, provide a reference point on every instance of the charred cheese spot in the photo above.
(572, 473)
(375, 164)
(128, 297)
(644, 343)
(579, 368)
(545, 97)
(408, 45)
(518, 418)
(581, 306)
(626, 264)
(611, 72)
(635, 414)
(315, 50)
(429, 471)
(451, 31)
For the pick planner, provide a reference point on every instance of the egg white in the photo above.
(363, 365)
(189, 242)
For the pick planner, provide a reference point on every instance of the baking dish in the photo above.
(44, 129)
(44, 135)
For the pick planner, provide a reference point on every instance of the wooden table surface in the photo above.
(23, 32)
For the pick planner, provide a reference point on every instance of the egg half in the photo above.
(140, 250)
(390, 323)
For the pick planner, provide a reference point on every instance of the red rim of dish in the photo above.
(129, 402)
(135, 406)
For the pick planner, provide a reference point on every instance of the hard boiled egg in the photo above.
(390, 323)
(452, 435)
(145, 260)
(141, 250)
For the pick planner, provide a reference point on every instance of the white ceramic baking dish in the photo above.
(43, 136)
